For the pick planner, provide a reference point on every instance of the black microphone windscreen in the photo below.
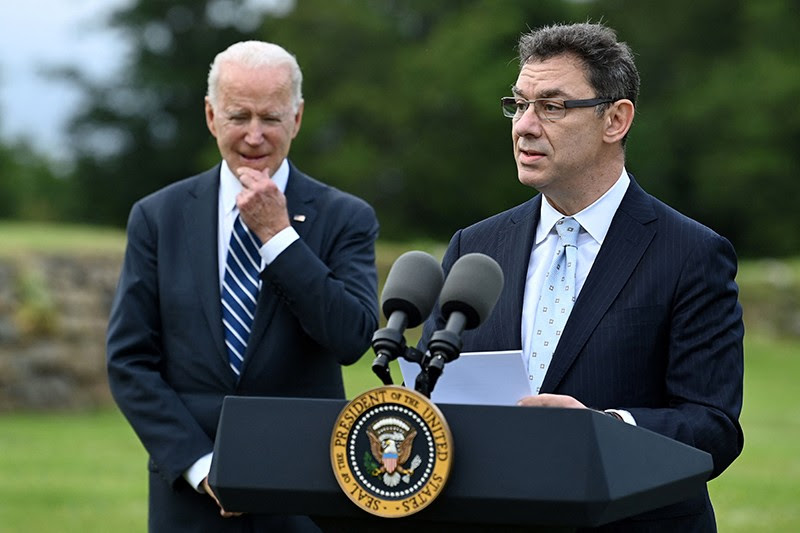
(412, 286)
(472, 287)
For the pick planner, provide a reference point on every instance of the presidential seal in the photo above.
(391, 451)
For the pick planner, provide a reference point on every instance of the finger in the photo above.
(543, 400)
(247, 179)
(264, 188)
(211, 493)
(528, 401)
(251, 175)
(551, 400)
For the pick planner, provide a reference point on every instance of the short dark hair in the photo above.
(610, 68)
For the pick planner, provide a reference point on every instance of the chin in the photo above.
(529, 178)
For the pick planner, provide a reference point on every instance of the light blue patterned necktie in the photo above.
(555, 303)
(240, 288)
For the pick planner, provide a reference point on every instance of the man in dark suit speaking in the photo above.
(248, 279)
(618, 302)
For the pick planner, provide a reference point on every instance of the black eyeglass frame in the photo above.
(568, 104)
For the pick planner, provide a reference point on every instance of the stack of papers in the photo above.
(477, 378)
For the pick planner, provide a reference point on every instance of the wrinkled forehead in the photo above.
(561, 76)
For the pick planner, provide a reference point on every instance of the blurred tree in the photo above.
(400, 95)
(29, 189)
(402, 106)
(718, 123)
(147, 128)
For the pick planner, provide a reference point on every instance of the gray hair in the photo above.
(609, 64)
(256, 54)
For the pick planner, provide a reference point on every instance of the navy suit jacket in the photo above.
(167, 361)
(656, 330)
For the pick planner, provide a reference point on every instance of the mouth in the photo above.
(253, 158)
(257, 161)
(529, 157)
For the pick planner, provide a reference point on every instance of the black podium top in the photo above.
(511, 465)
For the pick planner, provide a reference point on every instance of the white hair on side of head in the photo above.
(256, 54)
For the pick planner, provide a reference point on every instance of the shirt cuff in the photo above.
(196, 473)
(625, 415)
(271, 249)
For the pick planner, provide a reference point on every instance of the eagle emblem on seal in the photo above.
(391, 440)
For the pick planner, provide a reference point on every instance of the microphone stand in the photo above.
(444, 346)
(389, 343)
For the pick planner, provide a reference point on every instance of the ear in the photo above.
(298, 118)
(618, 119)
(210, 117)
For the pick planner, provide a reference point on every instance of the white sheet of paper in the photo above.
(477, 378)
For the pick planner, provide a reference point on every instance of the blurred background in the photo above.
(101, 103)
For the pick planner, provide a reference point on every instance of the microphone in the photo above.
(408, 297)
(467, 299)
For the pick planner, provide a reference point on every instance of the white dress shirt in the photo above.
(595, 221)
(229, 188)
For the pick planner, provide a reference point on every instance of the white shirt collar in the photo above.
(230, 187)
(594, 219)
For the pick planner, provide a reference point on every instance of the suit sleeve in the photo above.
(171, 435)
(333, 292)
(705, 362)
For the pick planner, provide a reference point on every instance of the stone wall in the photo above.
(54, 312)
(53, 316)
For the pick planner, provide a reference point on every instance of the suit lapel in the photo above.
(302, 215)
(300, 201)
(514, 245)
(628, 237)
(200, 220)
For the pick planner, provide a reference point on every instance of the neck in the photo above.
(592, 184)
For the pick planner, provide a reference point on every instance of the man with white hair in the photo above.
(250, 279)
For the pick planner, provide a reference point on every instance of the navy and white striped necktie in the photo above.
(240, 288)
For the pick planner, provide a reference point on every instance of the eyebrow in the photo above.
(549, 93)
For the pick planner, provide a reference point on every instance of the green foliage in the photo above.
(402, 109)
(29, 188)
(146, 128)
(403, 105)
(36, 315)
(718, 121)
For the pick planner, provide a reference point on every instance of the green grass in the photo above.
(86, 472)
(71, 472)
(24, 237)
(761, 490)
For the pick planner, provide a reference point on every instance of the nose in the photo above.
(528, 124)
(254, 134)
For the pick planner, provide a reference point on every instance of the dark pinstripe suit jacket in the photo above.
(167, 361)
(656, 330)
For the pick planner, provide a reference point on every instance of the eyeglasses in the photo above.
(546, 108)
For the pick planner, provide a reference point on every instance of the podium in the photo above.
(532, 469)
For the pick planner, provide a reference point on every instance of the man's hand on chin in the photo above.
(261, 204)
